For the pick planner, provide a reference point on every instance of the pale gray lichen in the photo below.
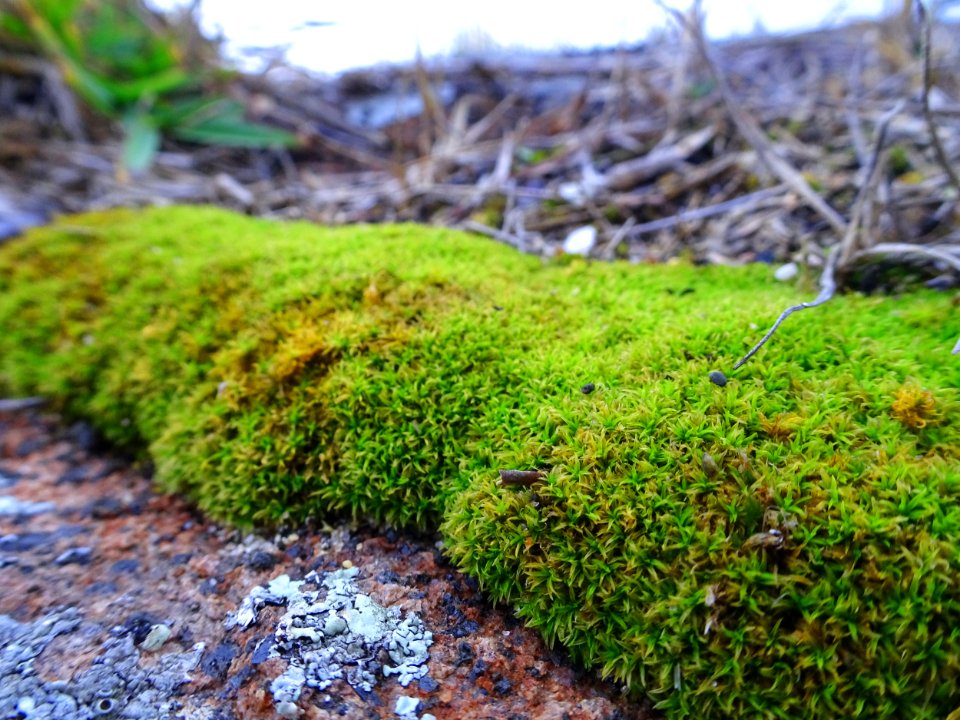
(114, 684)
(406, 706)
(336, 632)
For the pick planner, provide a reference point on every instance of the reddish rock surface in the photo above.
(122, 560)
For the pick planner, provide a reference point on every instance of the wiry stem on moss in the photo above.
(521, 477)
(847, 253)
(828, 286)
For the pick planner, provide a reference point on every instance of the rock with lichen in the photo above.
(278, 372)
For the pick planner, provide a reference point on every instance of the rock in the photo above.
(718, 378)
(580, 241)
(155, 639)
(787, 272)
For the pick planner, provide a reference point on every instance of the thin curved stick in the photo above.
(828, 287)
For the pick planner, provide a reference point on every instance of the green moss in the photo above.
(806, 568)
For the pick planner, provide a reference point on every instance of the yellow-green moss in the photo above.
(807, 568)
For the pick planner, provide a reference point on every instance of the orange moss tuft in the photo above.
(914, 406)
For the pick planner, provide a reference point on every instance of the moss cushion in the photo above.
(782, 546)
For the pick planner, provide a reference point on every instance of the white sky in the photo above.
(365, 32)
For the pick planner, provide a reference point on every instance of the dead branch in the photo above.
(678, 85)
(618, 236)
(504, 237)
(705, 212)
(850, 239)
(521, 477)
(948, 254)
(631, 172)
(927, 85)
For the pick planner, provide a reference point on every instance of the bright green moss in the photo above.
(807, 568)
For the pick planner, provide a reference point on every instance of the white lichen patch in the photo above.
(336, 632)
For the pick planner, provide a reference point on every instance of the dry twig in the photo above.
(705, 212)
(828, 287)
(521, 477)
(872, 177)
(749, 130)
(927, 86)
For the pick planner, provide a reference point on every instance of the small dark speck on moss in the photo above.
(588, 388)
(718, 378)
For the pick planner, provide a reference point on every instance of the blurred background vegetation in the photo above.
(153, 74)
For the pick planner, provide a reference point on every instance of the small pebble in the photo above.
(155, 639)
(718, 378)
(588, 388)
(347, 564)
(787, 272)
(261, 560)
(428, 684)
(580, 241)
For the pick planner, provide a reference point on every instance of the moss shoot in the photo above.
(784, 546)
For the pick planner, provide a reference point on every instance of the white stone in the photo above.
(580, 241)
(787, 272)
(155, 639)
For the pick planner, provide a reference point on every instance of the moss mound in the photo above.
(785, 546)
